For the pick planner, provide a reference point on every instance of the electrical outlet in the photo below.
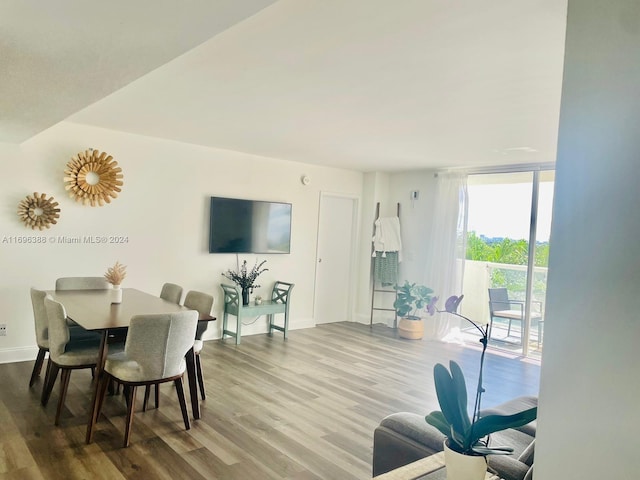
(3, 330)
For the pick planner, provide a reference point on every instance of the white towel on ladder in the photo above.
(387, 236)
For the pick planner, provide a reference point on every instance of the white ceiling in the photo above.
(361, 84)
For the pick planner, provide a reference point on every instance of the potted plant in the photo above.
(246, 279)
(410, 299)
(466, 445)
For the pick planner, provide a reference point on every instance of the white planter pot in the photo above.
(116, 294)
(464, 467)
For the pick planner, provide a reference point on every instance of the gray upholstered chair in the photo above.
(202, 303)
(64, 355)
(42, 333)
(154, 353)
(171, 293)
(82, 283)
(77, 335)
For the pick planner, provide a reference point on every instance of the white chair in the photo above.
(154, 353)
(64, 355)
(171, 293)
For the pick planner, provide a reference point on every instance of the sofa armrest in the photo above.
(402, 438)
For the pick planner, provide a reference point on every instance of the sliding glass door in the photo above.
(505, 275)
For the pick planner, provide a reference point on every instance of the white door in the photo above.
(336, 237)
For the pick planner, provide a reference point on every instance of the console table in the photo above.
(279, 303)
(428, 468)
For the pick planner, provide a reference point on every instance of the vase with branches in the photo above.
(115, 275)
(246, 279)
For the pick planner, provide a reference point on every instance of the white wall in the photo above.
(590, 383)
(415, 216)
(163, 210)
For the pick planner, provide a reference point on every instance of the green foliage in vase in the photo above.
(245, 278)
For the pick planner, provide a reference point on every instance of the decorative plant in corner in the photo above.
(245, 279)
(467, 435)
(410, 299)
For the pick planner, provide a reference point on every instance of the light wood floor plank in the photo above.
(301, 409)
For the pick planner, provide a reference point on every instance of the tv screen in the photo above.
(249, 226)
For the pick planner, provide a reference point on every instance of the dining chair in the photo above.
(82, 283)
(78, 336)
(64, 355)
(171, 293)
(202, 303)
(154, 353)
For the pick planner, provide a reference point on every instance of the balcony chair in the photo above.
(154, 353)
(501, 306)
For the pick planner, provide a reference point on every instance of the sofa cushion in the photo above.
(527, 456)
(415, 427)
(507, 467)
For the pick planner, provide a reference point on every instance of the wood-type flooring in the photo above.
(300, 409)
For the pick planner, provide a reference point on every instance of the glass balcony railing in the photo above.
(480, 276)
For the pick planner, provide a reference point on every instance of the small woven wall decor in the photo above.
(38, 211)
(93, 178)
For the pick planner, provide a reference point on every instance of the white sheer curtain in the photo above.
(446, 252)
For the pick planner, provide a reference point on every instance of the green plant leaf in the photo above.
(482, 450)
(436, 419)
(461, 393)
(495, 423)
(448, 399)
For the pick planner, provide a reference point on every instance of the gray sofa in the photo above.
(402, 438)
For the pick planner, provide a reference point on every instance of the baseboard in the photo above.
(260, 326)
(22, 354)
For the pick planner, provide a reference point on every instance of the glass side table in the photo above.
(428, 468)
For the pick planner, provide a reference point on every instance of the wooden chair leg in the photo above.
(64, 386)
(52, 374)
(157, 395)
(200, 379)
(183, 402)
(37, 367)
(102, 392)
(131, 400)
(147, 392)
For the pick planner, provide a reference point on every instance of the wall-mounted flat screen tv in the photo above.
(249, 226)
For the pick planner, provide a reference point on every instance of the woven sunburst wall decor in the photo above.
(93, 178)
(38, 211)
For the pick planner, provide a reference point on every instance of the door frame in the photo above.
(355, 234)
